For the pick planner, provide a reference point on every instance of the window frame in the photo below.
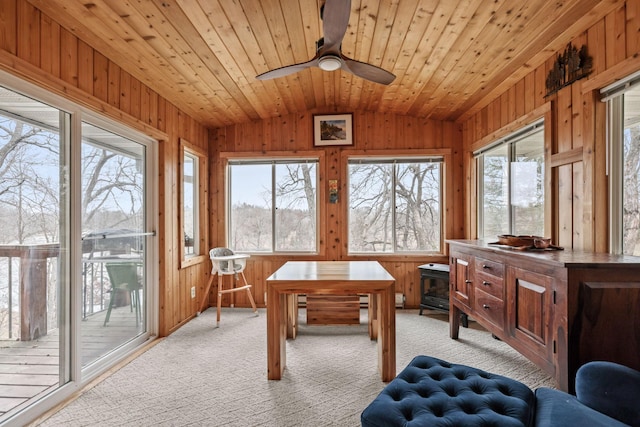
(229, 158)
(509, 141)
(613, 96)
(399, 156)
(200, 202)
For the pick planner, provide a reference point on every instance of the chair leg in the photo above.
(135, 297)
(219, 301)
(205, 298)
(111, 301)
(253, 303)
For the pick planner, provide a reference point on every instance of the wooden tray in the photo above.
(524, 243)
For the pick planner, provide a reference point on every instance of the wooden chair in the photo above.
(226, 263)
(124, 276)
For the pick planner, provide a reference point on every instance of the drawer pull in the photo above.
(484, 282)
(485, 266)
(467, 281)
(486, 306)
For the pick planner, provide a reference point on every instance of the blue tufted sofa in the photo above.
(432, 392)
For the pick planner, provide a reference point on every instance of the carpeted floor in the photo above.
(202, 376)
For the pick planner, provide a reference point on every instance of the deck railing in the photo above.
(29, 289)
(31, 279)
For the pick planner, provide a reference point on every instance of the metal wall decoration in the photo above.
(571, 65)
(333, 191)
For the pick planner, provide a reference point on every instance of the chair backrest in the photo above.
(124, 275)
(224, 261)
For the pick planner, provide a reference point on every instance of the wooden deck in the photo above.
(30, 369)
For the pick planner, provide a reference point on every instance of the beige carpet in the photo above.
(202, 376)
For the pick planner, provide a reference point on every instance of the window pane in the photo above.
(370, 201)
(631, 179)
(251, 203)
(527, 186)
(512, 179)
(295, 207)
(495, 203)
(189, 214)
(273, 199)
(418, 206)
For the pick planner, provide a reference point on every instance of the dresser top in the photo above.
(563, 258)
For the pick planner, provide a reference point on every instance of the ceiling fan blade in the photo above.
(367, 71)
(289, 69)
(335, 19)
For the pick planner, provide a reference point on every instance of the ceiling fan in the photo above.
(329, 57)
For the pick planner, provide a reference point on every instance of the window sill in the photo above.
(194, 260)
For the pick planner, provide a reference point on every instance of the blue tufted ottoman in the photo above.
(432, 392)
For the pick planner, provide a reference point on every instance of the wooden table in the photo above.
(337, 278)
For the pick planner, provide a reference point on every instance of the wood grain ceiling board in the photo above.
(450, 57)
(537, 52)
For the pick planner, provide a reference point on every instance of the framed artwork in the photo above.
(334, 129)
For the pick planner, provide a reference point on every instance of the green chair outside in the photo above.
(124, 276)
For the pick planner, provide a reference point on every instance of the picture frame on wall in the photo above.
(332, 129)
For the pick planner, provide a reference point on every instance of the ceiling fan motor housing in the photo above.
(330, 62)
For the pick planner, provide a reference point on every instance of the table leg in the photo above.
(276, 333)
(387, 334)
(373, 316)
(292, 316)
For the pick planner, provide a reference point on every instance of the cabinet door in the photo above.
(529, 313)
(461, 278)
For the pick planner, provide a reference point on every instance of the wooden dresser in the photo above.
(560, 309)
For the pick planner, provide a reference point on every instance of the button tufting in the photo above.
(449, 394)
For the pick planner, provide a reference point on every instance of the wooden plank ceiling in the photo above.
(450, 57)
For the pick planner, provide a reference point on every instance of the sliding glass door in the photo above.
(34, 250)
(113, 241)
(76, 247)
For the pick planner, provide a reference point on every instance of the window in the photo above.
(190, 203)
(624, 127)
(511, 185)
(193, 165)
(395, 205)
(272, 205)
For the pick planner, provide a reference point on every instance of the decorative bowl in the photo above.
(527, 241)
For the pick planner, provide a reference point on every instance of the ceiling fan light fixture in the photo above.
(329, 63)
(335, 22)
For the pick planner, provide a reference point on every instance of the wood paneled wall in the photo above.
(36, 48)
(575, 124)
(373, 134)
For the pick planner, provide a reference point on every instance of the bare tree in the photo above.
(296, 207)
(403, 194)
(25, 151)
(495, 201)
(631, 189)
(111, 182)
(370, 197)
(418, 206)
(252, 228)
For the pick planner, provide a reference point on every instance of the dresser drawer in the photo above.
(489, 307)
(489, 267)
(490, 284)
